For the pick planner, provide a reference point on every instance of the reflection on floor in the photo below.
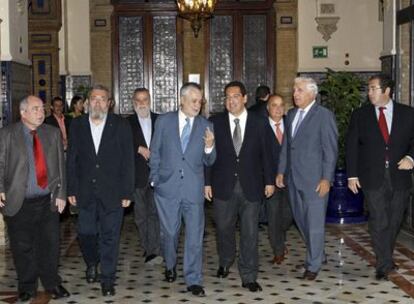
(347, 278)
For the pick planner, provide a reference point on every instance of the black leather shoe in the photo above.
(252, 286)
(24, 297)
(170, 275)
(92, 274)
(197, 290)
(380, 275)
(309, 275)
(223, 272)
(108, 290)
(59, 292)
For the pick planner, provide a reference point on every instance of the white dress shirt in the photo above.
(305, 111)
(146, 127)
(97, 131)
(273, 125)
(242, 122)
(388, 111)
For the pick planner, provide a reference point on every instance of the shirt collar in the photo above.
(242, 116)
(306, 110)
(101, 124)
(183, 117)
(389, 106)
(272, 122)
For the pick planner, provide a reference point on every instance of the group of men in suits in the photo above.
(236, 158)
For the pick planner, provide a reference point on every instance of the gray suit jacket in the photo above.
(14, 165)
(311, 155)
(171, 168)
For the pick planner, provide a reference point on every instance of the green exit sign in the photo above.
(320, 52)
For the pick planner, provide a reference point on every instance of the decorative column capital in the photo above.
(327, 26)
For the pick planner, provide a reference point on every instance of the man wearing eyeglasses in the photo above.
(100, 167)
(379, 157)
(238, 181)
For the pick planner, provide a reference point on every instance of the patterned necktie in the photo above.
(237, 141)
(383, 124)
(279, 133)
(300, 118)
(185, 134)
(40, 161)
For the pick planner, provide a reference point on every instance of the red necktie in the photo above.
(383, 124)
(40, 161)
(279, 134)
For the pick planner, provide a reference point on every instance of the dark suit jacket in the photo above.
(253, 166)
(365, 149)
(110, 172)
(14, 166)
(51, 120)
(274, 145)
(260, 107)
(141, 165)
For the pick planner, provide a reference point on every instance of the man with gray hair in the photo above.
(307, 165)
(145, 213)
(100, 164)
(32, 194)
(177, 174)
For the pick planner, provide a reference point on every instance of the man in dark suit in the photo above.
(379, 157)
(279, 214)
(145, 211)
(182, 145)
(59, 120)
(239, 179)
(100, 164)
(262, 96)
(307, 162)
(32, 193)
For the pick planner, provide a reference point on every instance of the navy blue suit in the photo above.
(100, 182)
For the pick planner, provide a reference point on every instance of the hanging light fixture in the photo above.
(196, 11)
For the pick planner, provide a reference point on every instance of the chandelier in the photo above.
(196, 11)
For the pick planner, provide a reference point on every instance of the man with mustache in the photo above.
(100, 166)
(145, 212)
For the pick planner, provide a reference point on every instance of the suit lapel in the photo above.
(139, 129)
(107, 133)
(306, 119)
(86, 131)
(373, 120)
(194, 131)
(176, 134)
(227, 132)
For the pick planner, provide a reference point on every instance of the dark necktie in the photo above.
(39, 161)
(237, 140)
(383, 124)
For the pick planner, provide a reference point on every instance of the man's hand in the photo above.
(125, 203)
(208, 138)
(405, 164)
(280, 181)
(353, 184)
(144, 152)
(2, 199)
(208, 193)
(269, 190)
(60, 204)
(323, 187)
(72, 200)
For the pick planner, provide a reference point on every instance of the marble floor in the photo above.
(348, 277)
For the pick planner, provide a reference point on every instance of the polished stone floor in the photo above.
(347, 278)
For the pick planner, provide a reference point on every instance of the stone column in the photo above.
(2, 225)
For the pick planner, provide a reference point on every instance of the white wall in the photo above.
(14, 31)
(359, 34)
(74, 38)
(390, 24)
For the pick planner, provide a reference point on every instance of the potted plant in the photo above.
(341, 93)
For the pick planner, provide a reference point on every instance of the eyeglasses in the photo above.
(234, 97)
(370, 89)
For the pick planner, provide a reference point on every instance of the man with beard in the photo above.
(100, 164)
(145, 212)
